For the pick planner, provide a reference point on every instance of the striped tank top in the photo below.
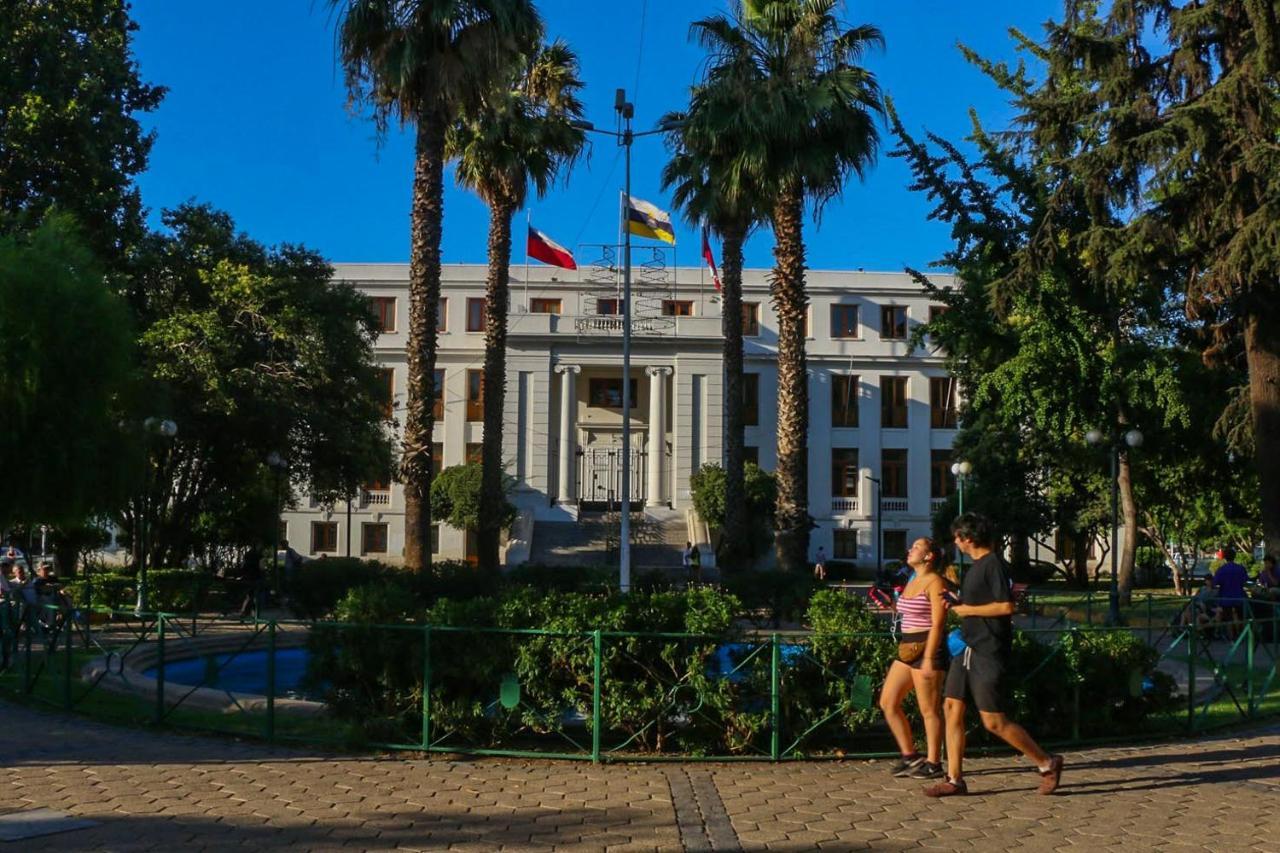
(916, 613)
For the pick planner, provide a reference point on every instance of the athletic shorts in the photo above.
(979, 676)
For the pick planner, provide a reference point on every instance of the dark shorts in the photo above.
(1232, 609)
(940, 658)
(979, 676)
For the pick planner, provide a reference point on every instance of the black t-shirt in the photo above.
(987, 581)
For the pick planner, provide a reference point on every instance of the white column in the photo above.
(657, 433)
(568, 426)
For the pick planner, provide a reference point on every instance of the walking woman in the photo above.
(921, 663)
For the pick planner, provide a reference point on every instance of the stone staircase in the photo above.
(657, 542)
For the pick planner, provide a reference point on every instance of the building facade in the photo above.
(882, 413)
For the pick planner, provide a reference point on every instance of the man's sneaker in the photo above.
(906, 764)
(1050, 778)
(947, 788)
(926, 770)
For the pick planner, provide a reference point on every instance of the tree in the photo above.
(803, 118)
(64, 367)
(1214, 193)
(249, 350)
(713, 185)
(69, 133)
(520, 133)
(457, 495)
(709, 486)
(422, 62)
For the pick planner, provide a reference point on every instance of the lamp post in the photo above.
(961, 471)
(879, 535)
(277, 464)
(1132, 438)
(165, 429)
(625, 137)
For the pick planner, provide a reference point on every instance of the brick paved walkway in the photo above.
(160, 791)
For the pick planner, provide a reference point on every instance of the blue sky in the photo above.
(256, 123)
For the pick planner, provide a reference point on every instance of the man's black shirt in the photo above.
(985, 582)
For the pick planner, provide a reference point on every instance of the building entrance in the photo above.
(600, 471)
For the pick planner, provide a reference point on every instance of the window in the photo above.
(751, 399)
(936, 311)
(544, 306)
(437, 406)
(384, 313)
(942, 482)
(283, 533)
(895, 545)
(844, 321)
(845, 546)
(893, 322)
(677, 308)
(893, 402)
(435, 539)
(844, 400)
(475, 315)
(942, 402)
(751, 319)
(373, 538)
(475, 395)
(442, 316)
(474, 452)
(608, 307)
(606, 393)
(437, 457)
(751, 453)
(844, 472)
(387, 391)
(893, 473)
(324, 537)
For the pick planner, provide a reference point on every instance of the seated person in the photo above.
(1269, 578)
(1203, 608)
(1230, 581)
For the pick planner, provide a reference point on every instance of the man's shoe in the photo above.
(926, 770)
(1050, 778)
(906, 764)
(947, 788)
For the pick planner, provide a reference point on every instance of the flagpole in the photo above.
(528, 224)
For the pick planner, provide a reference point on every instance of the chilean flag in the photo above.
(710, 258)
(543, 248)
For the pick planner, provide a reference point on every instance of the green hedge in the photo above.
(170, 590)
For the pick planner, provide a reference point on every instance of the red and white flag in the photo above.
(710, 258)
(543, 248)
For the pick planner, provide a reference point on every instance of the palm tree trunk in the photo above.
(735, 535)
(1262, 350)
(426, 217)
(791, 303)
(492, 498)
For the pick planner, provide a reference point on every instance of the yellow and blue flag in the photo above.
(646, 220)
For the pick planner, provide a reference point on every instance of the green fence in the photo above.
(604, 695)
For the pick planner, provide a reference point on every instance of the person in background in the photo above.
(1268, 578)
(820, 565)
(1230, 580)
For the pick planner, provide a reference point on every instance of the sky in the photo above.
(256, 123)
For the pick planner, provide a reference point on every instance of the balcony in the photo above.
(893, 504)
(936, 503)
(610, 325)
(377, 497)
(844, 504)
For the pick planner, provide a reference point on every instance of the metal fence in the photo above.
(607, 695)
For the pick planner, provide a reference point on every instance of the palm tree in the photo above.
(520, 133)
(804, 122)
(710, 185)
(421, 62)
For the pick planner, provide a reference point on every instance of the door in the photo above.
(600, 476)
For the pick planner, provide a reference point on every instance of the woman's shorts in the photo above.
(940, 658)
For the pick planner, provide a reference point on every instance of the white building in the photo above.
(880, 410)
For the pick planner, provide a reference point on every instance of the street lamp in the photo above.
(878, 533)
(961, 471)
(277, 464)
(1133, 439)
(625, 136)
(164, 428)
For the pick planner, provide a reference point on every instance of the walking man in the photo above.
(986, 612)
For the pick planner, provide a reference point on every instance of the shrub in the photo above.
(761, 492)
(778, 596)
(318, 585)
